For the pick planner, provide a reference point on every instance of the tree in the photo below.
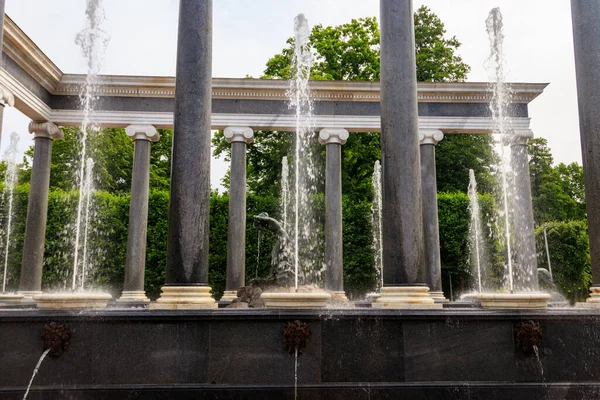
(556, 193)
(112, 151)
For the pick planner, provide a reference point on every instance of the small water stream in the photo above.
(35, 371)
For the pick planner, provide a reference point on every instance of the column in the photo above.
(239, 137)
(135, 259)
(431, 231)
(37, 209)
(333, 139)
(586, 38)
(401, 201)
(186, 285)
(525, 268)
(6, 98)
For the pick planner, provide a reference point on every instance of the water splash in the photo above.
(285, 191)
(93, 42)
(10, 156)
(257, 254)
(296, 373)
(501, 98)
(376, 223)
(35, 371)
(475, 231)
(305, 235)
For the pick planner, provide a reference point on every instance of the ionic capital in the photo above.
(6, 97)
(45, 129)
(239, 134)
(430, 136)
(520, 137)
(142, 132)
(329, 136)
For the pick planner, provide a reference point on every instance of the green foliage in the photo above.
(453, 209)
(557, 192)
(569, 255)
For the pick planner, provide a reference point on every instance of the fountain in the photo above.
(93, 42)
(522, 285)
(303, 230)
(10, 156)
(476, 243)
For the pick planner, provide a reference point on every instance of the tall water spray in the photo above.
(285, 192)
(377, 244)
(501, 98)
(475, 232)
(93, 41)
(304, 234)
(10, 156)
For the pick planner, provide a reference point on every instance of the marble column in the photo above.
(6, 98)
(135, 259)
(186, 284)
(525, 268)
(431, 231)
(333, 139)
(37, 209)
(402, 223)
(586, 38)
(239, 137)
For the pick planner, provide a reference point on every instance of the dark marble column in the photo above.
(135, 260)
(431, 231)
(333, 139)
(37, 209)
(525, 268)
(402, 222)
(187, 246)
(239, 137)
(586, 37)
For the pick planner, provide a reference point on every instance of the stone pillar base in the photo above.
(438, 297)
(28, 296)
(133, 296)
(11, 298)
(339, 299)
(593, 301)
(229, 295)
(406, 298)
(184, 298)
(512, 301)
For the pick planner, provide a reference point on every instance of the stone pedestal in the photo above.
(586, 38)
(135, 261)
(37, 207)
(593, 301)
(511, 301)
(401, 201)
(406, 298)
(333, 139)
(239, 137)
(186, 285)
(431, 233)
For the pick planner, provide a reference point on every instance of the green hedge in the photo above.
(568, 243)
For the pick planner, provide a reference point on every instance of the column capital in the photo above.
(142, 132)
(6, 97)
(328, 136)
(239, 134)
(45, 129)
(520, 137)
(430, 136)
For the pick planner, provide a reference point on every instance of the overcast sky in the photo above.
(538, 45)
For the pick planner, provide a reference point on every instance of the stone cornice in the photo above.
(275, 89)
(18, 46)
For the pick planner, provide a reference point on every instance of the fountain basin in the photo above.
(71, 301)
(10, 298)
(504, 301)
(295, 300)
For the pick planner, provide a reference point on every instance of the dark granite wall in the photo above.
(436, 354)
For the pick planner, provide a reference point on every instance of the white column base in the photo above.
(133, 296)
(28, 296)
(229, 295)
(184, 298)
(593, 301)
(438, 296)
(10, 298)
(513, 301)
(406, 298)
